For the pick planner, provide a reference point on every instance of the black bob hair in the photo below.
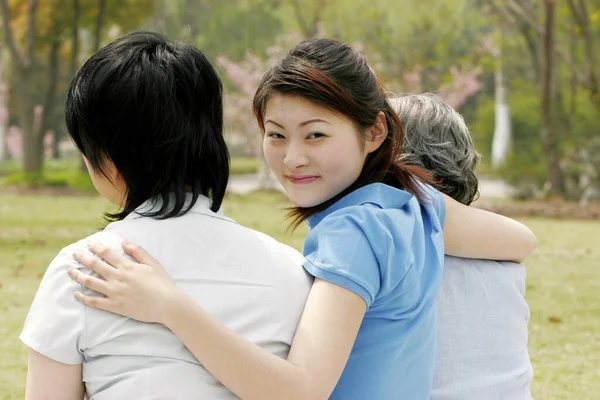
(155, 109)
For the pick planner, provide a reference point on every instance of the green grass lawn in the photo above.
(563, 283)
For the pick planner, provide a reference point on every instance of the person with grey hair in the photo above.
(481, 310)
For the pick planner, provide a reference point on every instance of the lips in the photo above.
(302, 179)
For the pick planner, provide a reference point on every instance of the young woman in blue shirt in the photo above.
(377, 238)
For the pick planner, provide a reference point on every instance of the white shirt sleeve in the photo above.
(56, 323)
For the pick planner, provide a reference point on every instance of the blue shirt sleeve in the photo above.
(435, 199)
(339, 250)
(440, 205)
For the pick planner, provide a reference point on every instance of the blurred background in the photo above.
(523, 73)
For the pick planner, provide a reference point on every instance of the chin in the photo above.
(304, 201)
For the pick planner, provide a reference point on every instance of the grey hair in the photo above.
(437, 139)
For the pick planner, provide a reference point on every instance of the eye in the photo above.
(275, 135)
(316, 135)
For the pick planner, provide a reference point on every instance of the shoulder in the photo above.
(55, 324)
(343, 249)
(107, 238)
(481, 271)
(352, 223)
(56, 273)
(276, 248)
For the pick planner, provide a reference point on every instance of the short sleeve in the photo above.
(436, 200)
(440, 206)
(55, 324)
(339, 250)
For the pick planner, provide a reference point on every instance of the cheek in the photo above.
(346, 161)
(272, 155)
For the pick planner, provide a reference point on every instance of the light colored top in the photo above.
(482, 332)
(252, 283)
(380, 243)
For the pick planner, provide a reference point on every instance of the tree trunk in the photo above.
(97, 42)
(50, 100)
(309, 30)
(99, 25)
(58, 134)
(502, 129)
(3, 104)
(32, 143)
(547, 132)
(33, 160)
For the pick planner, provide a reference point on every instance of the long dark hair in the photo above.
(333, 75)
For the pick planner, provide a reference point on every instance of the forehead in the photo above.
(291, 111)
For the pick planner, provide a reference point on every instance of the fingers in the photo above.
(95, 264)
(89, 282)
(139, 254)
(101, 303)
(110, 256)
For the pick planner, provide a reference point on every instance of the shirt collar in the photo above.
(379, 194)
(202, 205)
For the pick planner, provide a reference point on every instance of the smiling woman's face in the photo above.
(314, 152)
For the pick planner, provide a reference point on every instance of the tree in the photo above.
(3, 104)
(502, 129)
(39, 28)
(22, 67)
(547, 134)
(99, 24)
(310, 25)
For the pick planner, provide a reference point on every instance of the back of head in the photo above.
(333, 75)
(437, 139)
(154, 108)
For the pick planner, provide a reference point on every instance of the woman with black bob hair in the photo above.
(378, 233)
(150, 111)
(147, 115)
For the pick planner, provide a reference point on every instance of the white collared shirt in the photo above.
(246, 279)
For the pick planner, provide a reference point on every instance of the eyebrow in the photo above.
(310, 121)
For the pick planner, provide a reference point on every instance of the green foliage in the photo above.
(525, 166)
(222, 28)
(402, 39)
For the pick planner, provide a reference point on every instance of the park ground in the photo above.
(562, 290)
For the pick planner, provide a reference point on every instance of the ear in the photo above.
(116, 179)
(110, 171)
(377, 133)
(113, 175)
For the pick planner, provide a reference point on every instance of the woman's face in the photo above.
(314, 152)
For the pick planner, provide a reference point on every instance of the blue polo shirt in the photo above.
(380, 243)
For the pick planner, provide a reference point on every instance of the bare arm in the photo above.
(319, 352)
(48, 379)
(473, 233)
(324, 338)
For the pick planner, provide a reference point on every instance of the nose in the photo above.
(296, 156)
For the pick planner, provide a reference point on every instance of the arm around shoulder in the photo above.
(320, 349)
(470, 232)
